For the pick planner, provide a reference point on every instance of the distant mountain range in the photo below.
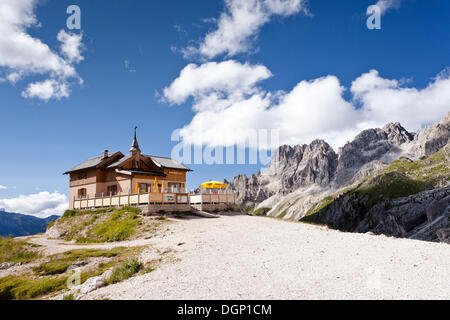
(18, 225)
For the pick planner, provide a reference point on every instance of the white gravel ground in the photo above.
(243, 257)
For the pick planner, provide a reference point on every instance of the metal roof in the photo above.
(159, 161)
(90, 163)
(152, 173)
(168, 163)
(119, 161)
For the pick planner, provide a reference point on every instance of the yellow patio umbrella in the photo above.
(155, 186)
(162, 187)
(214, 185)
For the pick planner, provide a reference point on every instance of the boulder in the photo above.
(92, 284)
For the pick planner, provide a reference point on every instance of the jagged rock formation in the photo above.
(293, 167)
(406, 199)
(290, 168)
(304, 179)
(422, 216)
(432, 138)
(370, 145)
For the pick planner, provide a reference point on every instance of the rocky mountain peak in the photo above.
(432, 138)
(298, 166)
(397, 134)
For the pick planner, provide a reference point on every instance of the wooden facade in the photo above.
(116, 175)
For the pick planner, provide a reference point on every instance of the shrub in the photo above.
(125, 271)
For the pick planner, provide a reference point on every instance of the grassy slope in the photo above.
(50, 274)
(106, 225)
(401, 178)
(16, 251)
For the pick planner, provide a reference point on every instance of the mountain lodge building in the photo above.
(117, 174)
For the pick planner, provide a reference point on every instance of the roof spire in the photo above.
(135, 146)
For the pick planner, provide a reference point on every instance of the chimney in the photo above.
(105, 155)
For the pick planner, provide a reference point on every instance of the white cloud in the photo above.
(71, 45)
(225, 77)
(386, 5)
(48, 89)
(239, 25)
(227, 112)
(13, 77)
(386, 100)
(41, 204)
(22, 55)
(2, 187)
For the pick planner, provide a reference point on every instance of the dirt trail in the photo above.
(54, 246)
(243, 257)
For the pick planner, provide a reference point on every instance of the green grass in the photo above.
(16, 287)
(286, 210)
(59, 263)
(52, 267)
(52, 273)
(325, 202)
(51, 224)
(69, 296)
(401, 178)
(261, 211)
(120, 226)
(106, 225)
(93, 253)
(74, 213)
(391, 185)
(125, 271)
(16, 251)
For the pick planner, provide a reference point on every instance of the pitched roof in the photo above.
(130, 171)
(159, 161)
(168, 163)
(119, 161)
(91, 163)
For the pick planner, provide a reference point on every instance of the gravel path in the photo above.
(54, 246)
(243, 257)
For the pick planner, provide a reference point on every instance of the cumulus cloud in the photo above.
(71, 45)
(23, 55)
(41, 204)
(240, 23)
(2, 187)
(386, 5)
(48, 89)
(215, 78)
(312, 109)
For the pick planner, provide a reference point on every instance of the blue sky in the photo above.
(133, 50)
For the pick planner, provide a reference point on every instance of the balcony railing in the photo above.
(149, 198)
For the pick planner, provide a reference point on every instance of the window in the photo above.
(143, 188)
(82, 193)
(82, 175)
(112, 190)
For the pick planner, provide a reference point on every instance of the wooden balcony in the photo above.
(152, 198)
